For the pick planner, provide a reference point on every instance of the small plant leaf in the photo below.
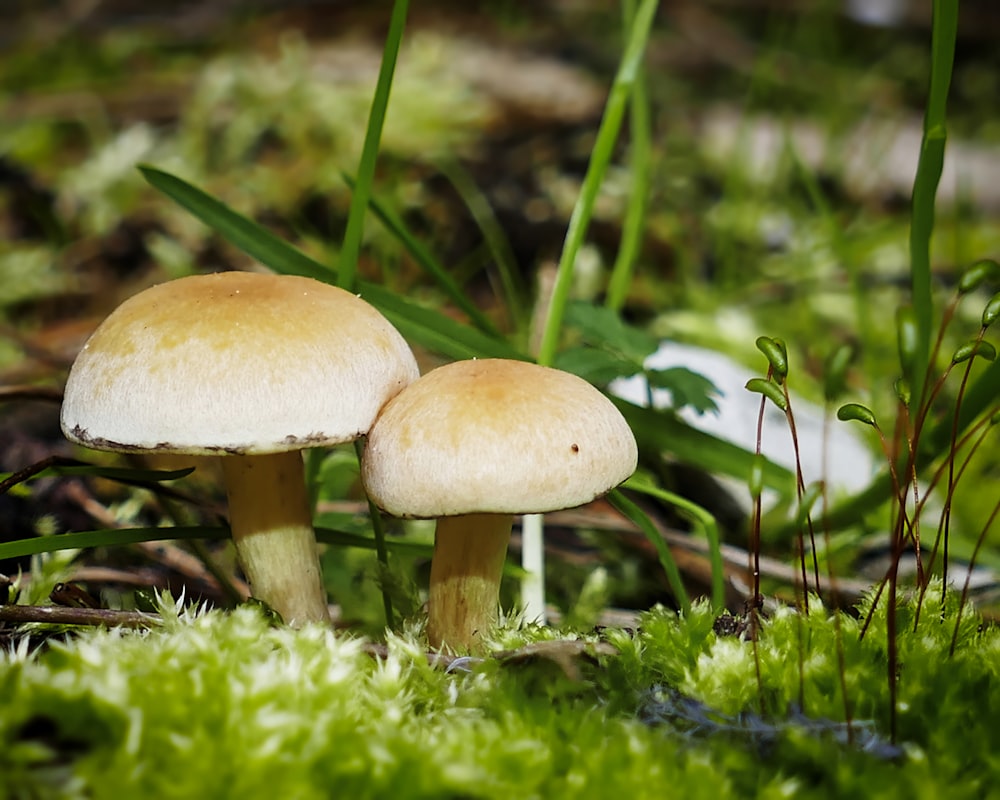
(246, 234)
(596, 365)
(434, 330)
(602, 327)
(125, 473)
(686, 387)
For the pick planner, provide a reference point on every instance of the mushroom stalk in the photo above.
(272, 529)
(464, 597)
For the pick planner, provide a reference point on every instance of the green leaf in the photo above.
(686, 387)
(640, 148)
(434, 330)
(702, 519)
(812, 493)
(111, 537)
(122, 474)
(126, 474)
(602, 327)
(596, 366)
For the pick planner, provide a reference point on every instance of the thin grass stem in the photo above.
(640, 151)
(929, 168)
(600, 157)
(350, 249)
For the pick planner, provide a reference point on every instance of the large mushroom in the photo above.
(472, 444)
(254, 368)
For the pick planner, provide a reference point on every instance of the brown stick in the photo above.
(65, 615)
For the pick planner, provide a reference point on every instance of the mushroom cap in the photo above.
(234, 362)
(495, 436)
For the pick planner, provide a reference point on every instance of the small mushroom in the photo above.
(254, 368)
(472, 444)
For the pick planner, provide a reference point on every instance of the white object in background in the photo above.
(849, 463)
(533, 562)
(879, 13)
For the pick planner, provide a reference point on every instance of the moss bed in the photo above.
(211, 704)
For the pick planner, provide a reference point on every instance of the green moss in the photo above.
(222, 705)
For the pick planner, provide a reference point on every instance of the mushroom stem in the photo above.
(272, 529)
(469, 554)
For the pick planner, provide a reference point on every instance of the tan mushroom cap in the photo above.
(234, 362)
(495, 436)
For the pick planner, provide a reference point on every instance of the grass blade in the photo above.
(704, 520)
(348, 261)
(117, 537)
(638, 516)
(247, 235)
(925, 185)
(496, 240)
(64, 467)
(108, 537)
(434, 268)
(424, 326)
(640, 130)
(600, 157)
(434, 330)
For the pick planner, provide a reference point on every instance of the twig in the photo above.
(30, 392)
(65, 615)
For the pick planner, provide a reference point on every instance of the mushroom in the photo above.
(472, 444)
(254, 368)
